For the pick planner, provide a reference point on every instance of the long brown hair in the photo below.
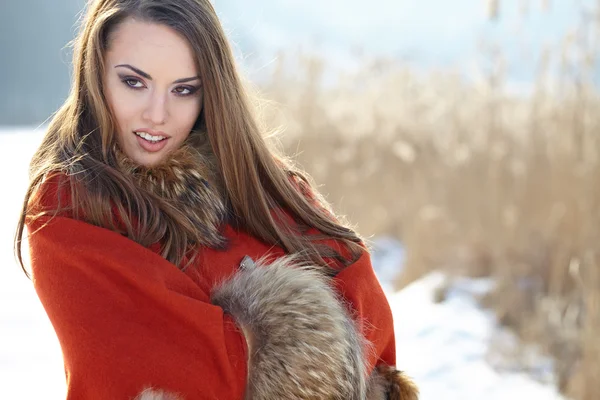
(257, 181)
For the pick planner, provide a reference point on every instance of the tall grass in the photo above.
(474, 181)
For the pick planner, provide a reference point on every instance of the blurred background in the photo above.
(459, 136)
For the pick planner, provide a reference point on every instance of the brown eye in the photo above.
(184, 90)
(133, 83)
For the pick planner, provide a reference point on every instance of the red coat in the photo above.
(126, 318)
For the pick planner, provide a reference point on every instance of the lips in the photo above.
(151, 141)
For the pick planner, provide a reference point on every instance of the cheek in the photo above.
(123, 110)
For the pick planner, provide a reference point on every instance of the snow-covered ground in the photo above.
(442, 346)
(30, 357)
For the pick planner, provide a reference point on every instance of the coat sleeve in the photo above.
(367, 304)
(360, 288)
(127, 319)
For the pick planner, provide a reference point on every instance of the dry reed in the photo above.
(473, 180)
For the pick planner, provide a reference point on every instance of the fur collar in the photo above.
(187, 180)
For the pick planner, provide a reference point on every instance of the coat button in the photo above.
(247, 263)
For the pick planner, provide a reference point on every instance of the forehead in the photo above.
(154, 48)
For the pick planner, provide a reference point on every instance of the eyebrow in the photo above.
(147, 76)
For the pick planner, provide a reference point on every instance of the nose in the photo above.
(156, 110)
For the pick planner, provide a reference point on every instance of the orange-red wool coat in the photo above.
(127, 319)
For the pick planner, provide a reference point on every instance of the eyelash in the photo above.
(191, 89)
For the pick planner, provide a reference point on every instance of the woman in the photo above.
(176, 256)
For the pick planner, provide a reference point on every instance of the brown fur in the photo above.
(302, 342)
(187, 180)
(386, 382)
(305, 346)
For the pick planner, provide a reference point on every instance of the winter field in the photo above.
(444, 344)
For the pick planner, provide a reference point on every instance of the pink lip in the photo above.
(151, 147)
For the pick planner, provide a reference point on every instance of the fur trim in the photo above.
(302, 342)
(387, 383)
(189, 181)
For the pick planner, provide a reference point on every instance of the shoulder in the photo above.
(311, 195)
(303, 187)
(52, 194)
(341, 249)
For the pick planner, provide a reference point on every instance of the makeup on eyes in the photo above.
(128, 78)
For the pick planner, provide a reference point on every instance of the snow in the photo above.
(443, 346)
(30, 357)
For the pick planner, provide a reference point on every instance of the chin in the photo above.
(148, 160)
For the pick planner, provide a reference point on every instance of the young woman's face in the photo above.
(153, 89)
